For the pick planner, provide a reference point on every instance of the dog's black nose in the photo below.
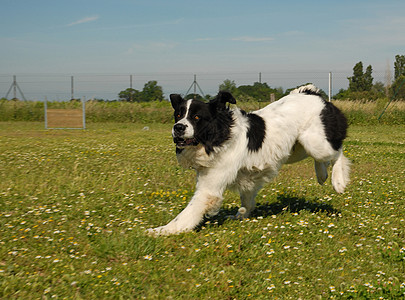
(179, 128)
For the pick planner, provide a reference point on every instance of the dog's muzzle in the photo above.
(181, 143)
(178, 136)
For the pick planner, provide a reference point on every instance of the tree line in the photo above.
(361, 87)
(361, 84)
(150, 92)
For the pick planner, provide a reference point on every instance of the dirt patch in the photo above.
(65, 118)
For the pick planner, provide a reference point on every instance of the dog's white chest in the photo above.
(194, 157)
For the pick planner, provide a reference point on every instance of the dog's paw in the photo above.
(155, 231)
(161, 231)
(240, 215)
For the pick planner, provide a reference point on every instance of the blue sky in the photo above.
(147, 36)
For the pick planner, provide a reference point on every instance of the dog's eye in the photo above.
(196, 117)
(178, 116)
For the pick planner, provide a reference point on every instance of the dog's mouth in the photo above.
(180, 142)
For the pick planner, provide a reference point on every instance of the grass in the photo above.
(357, 112)
(370, 112)
(74, 206)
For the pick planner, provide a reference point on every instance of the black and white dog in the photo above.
(230, 148)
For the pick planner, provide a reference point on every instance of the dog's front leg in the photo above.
(207, 200)
(202, 203)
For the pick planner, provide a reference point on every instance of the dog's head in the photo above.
(198, 122)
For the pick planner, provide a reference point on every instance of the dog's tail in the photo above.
(340, 172)
(308, 89)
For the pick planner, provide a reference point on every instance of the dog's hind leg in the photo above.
(321, 170)
(340, 172)
(248, 202)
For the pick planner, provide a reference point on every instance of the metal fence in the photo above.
(62, 87)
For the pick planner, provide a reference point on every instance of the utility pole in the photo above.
(260, 77)
(14, 86)
(195, 85)
(131, 94)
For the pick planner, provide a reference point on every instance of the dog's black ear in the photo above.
(176, 99)
(224, 97)
(219, 102)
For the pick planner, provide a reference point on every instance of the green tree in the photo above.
(361, 82)
(260, 91)
(356, 79)
(368, 79)
(152, 92)
(342, 94)
(399, 66)
(194, 96)
(398, 88)
(378, 89)
(228, 85)
(130, 95)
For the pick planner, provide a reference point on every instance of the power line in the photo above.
(14, 86)
(195, 85)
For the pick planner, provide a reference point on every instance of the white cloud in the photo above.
(84, 20)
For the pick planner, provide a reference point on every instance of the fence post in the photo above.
(45, 114)
(84, 111)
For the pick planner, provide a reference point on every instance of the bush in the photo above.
(368, 112)
(14, 110)
(144, 112)
(357, 112)
(398, 88)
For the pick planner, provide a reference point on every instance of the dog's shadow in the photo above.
(284, 203)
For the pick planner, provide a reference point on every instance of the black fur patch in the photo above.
(214, 131)
(256, 132)
(212, 124)
(335, 125)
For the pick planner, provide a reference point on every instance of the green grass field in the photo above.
(74, 206)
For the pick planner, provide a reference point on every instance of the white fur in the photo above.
(293, 131)
(189, 133)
